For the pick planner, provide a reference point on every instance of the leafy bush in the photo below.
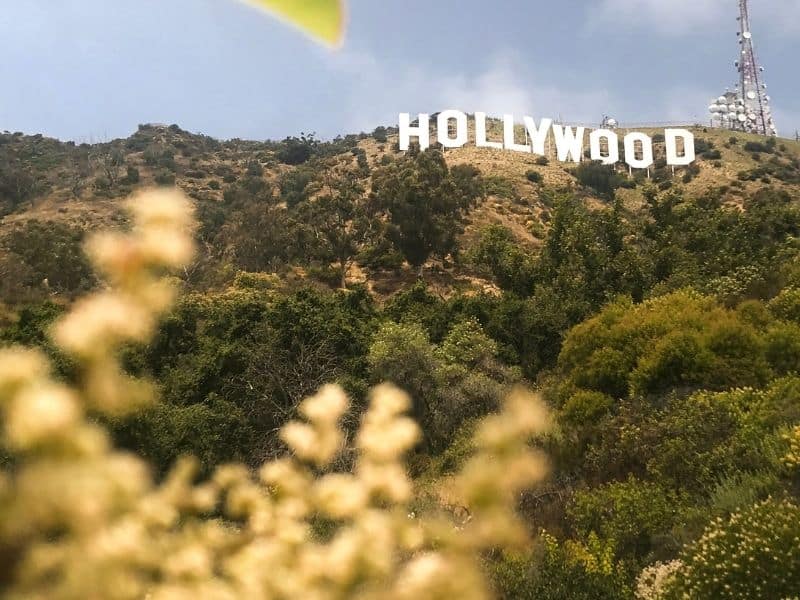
(499, 252)
(786, 305)
(702, 145)
(601, 178)
(468, 345)
(132, 175)
(165, 178)
(751, 555)
(555, 571)
(401, 353)
(296, 151)
(583, 408)
(534, 176)
(502, 187)
(759, 147)
(53, 255)
(675, 341)
(628, 513)
(380, 135)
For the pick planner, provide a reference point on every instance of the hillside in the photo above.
(657, 318)
(81, 186)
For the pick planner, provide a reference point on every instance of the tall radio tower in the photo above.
(747, 108)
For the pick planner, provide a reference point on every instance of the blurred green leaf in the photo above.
(322, 19)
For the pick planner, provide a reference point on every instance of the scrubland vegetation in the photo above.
(658, 321)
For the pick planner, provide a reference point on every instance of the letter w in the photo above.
(568, 143)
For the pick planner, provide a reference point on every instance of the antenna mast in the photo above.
(747, 108)
(753, 89)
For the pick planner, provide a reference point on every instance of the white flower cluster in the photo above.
(654, 580)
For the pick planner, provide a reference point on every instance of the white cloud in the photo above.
(376, 94)
(503, 87)
(680, 17)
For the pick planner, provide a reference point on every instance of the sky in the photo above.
(92, 70)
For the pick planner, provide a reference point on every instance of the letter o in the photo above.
(630, 150)
(613, 146)
(443, 125)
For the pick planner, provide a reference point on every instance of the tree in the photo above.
(296, 151)
(425, 203)
(294, 185)
(402, 354)
(342, 221)
(500, 253)
(380, 134)
(601, 178)
(259, 237)
(17, 184)
(109, 160)
(79, 172)
(53, 253)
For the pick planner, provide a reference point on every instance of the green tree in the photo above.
(629, 513)
(425, 205)
(601, 178)
(401, 353)
(342, 222)
(295, 185)
(296, 151)
(511, 266)
(53, 253)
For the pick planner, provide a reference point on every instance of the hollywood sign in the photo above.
(569, 141)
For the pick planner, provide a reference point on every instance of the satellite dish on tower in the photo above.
(746, 108)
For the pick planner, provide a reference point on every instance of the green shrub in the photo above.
(132, 175)
(502, 187)
(783, 348)
(296, 151)
(555, 571)
(601, 178)
(401, 353)
(584, 408)
(380, 135)
(629, 513)
(786, 305)
(53, 254)
(500, 254)
(534, 176)
(165, 178)
(467, 345)
(759, 147)
(681, 340)
(754, 554)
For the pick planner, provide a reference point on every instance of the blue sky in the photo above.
(91, 70)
